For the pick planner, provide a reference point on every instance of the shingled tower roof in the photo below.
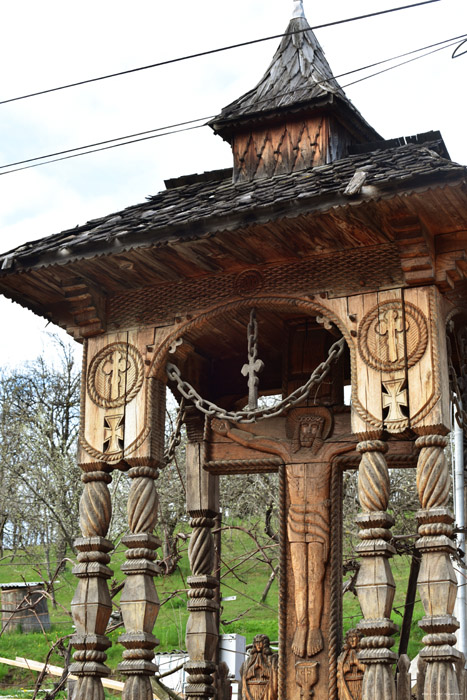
(298, 80)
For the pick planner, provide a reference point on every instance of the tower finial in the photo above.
(298, 10)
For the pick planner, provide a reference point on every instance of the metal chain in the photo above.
(250, 416)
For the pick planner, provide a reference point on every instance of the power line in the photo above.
(209, 52)
(410, 60)
(173, 128)
(101, 143)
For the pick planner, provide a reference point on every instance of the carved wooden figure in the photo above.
(349, 668)
(258, 673)
(303, 443)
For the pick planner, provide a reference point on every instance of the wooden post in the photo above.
(139, 601)
(91, 605)
(375, 583)
(202, 633)
(437, 580)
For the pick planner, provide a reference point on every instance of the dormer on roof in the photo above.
(296, 117)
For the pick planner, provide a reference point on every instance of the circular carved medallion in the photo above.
(393, 336)
(248, 282)
(115, 375)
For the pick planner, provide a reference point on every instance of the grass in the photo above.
(246, 586)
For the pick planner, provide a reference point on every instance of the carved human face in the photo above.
(309, 430)
(258, 644)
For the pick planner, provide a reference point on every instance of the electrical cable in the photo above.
(211, 51)
(171, 129)
(403, 63)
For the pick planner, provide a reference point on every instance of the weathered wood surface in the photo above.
(24, 609)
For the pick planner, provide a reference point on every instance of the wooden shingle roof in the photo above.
(201, 206)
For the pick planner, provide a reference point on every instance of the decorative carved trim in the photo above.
(341, 273)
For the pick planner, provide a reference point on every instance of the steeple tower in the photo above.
(297, 116)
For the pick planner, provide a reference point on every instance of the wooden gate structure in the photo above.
(328, 257)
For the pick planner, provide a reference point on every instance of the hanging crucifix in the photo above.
(254, 365)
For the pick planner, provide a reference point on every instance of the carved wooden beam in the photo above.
(86, 306)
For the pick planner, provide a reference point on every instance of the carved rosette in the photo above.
(375, 583)
(201, 629)
(91, 605)
(437, 580)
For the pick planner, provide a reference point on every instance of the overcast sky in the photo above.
(54, 42)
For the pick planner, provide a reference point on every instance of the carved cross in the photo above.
(254, 366)
(390, 324)
(394, 399)
(113, 433)
(114, 368)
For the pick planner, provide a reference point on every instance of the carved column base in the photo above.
(138, 687)
(378, 679)
(140, 605)
(88, 665)
(91, 607)
(200, 681)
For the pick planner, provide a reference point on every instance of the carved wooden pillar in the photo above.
(139, 601)
(122, 426)
(201, 630)
(437, 580)
(375, 583)
(91, 605)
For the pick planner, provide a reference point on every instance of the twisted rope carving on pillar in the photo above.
(91, 605)
(202, 608)
(375, 584)
(436, 581)
(433, 477)
(139, 601)
(373, 476)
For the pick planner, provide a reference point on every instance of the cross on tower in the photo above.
(394, 399)
(390, 325)
(116, 365)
